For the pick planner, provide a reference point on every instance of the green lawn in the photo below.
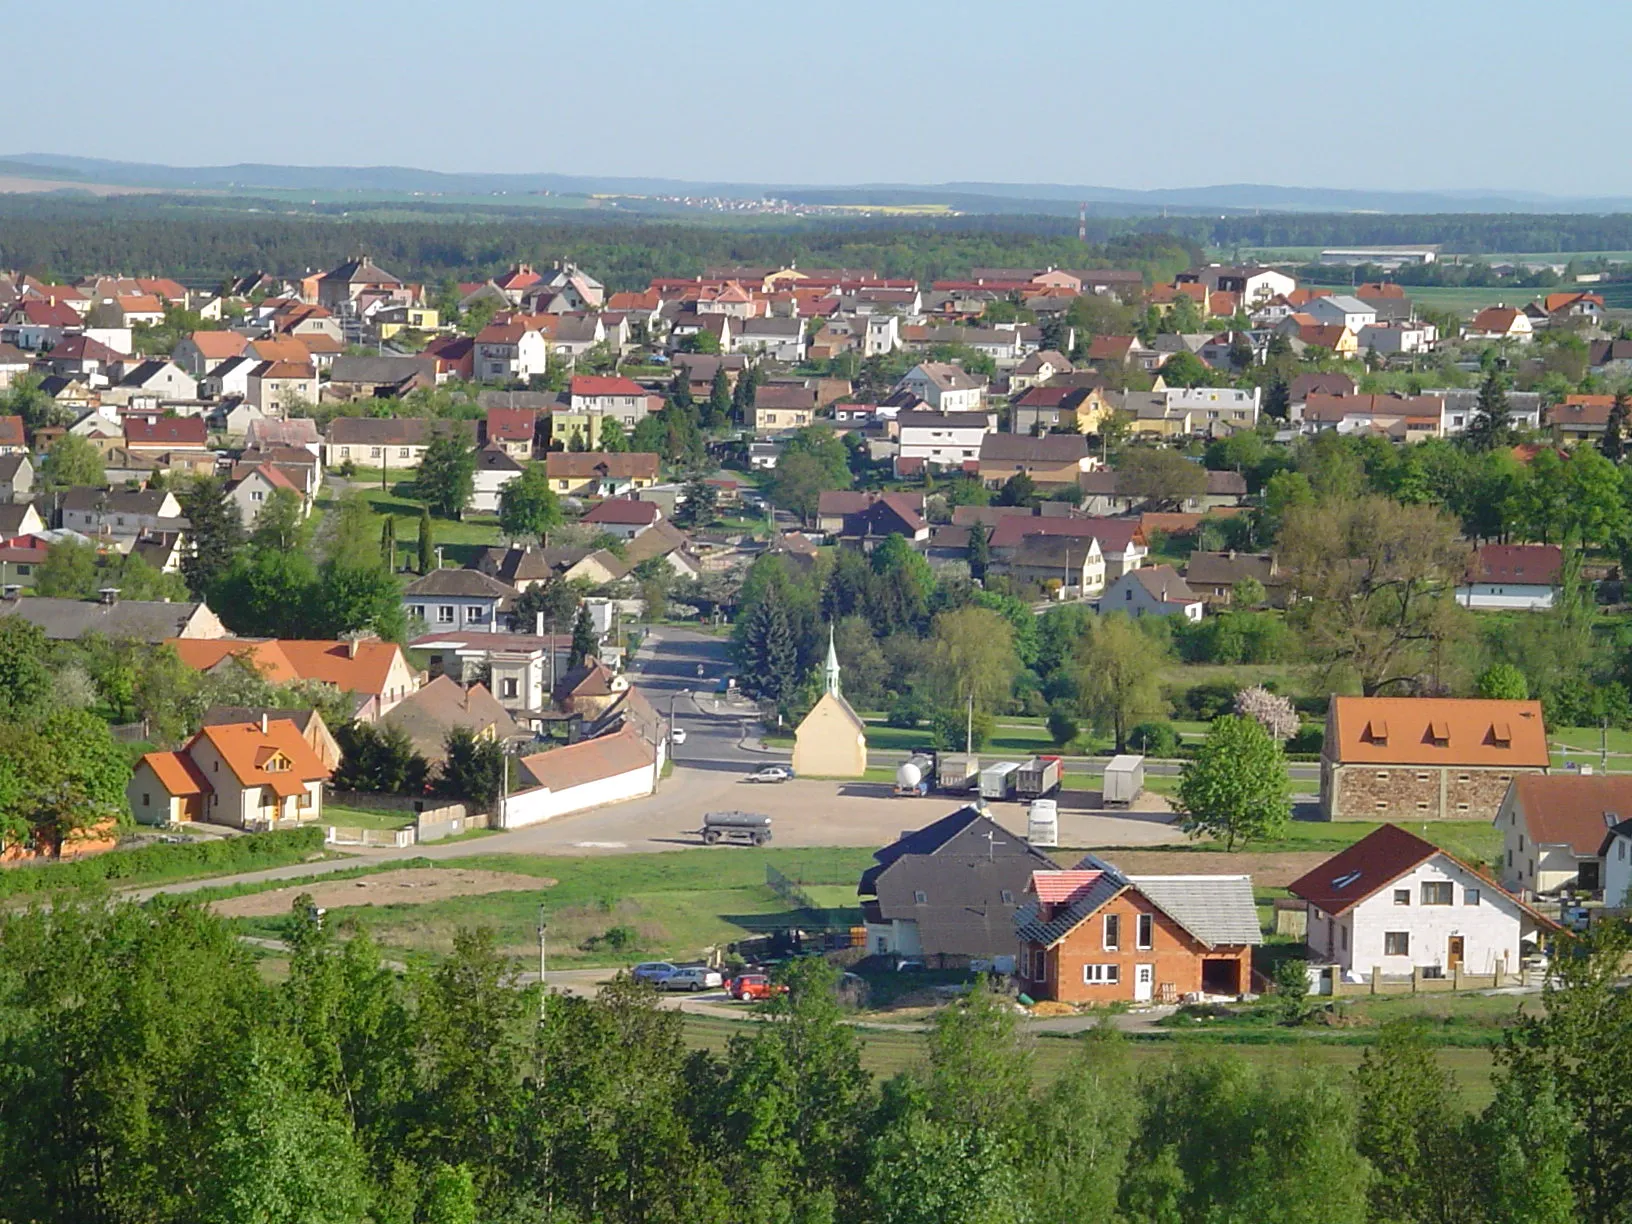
(366, 818)
(671, 905)
(460, 538)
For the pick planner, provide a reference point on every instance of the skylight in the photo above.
(1344, 880)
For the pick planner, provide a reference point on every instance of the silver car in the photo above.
(771, 773)
(655, 972)
(693, 978)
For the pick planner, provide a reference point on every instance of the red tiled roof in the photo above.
(1535, 564)
(1372, 863)
(1062, 887)
(1438, 731)
(177, 773)
(624, 511)
(166, 431)
(511, 424)
(1570, 809)
(595, 384)
(11, 431)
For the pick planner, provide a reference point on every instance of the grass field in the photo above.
(460, 539)
(662, 904)
(365, 818)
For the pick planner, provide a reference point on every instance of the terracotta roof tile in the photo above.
(1447, 731)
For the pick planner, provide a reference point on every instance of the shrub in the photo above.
(1292, 989)
(907, 712)
(1206, 702)
(1062, 726)
(1309, 740)
(164, 861)
(1154, 739)
(952, 728)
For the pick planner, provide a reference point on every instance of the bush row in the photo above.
(162, 862)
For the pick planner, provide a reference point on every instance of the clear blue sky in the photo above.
(1384, 94)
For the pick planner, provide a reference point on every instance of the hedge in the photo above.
(162, 862)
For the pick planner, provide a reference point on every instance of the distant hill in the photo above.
(1054, 198)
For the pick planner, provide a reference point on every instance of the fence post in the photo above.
(1376, 979)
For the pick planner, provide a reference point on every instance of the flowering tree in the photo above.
(1275, 714)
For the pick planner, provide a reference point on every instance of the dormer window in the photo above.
(1440, 732)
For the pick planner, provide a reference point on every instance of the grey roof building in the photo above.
(951, 888)
(138, 620)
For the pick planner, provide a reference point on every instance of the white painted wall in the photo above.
(539, 804)
(1618, 873)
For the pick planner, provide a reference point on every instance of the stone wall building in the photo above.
(1426, 758)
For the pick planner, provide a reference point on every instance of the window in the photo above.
(508, 687)
(1521, 843)
(1470, 896)
(374, 452)
(1113, 932)
(419, 611)
(920, 898)
(256, 495)
(1402, 896)
(1397, 943)
(23, 571)
(1510, 860)
(404, 453)
(1436, 892)
(147, 799)
(444, 614)
(1382, 775)
(1144, 931)
(1007, 896)
(1040, 970)
(1343, 937)
(475, 615)
(1101, 975)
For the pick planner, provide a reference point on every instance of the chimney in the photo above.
(108, 596)
(351, 648)
(264, 723)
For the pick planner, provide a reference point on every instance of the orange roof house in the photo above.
(375, 673)
(248, 775)
(1426, 758)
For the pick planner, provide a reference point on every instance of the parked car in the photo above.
(771, 773)
(655, 972)
(693, 978)
(753, 988)
(678, 735)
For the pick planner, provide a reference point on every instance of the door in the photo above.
(1144, 980)
(1453, 953)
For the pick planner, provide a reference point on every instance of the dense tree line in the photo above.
(196, 240)
(149, 1074)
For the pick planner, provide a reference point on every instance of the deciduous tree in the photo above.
(447, 474)
(1117, 670)
(528, 507)
(1236, 788)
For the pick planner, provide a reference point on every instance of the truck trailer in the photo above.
(1039, 776)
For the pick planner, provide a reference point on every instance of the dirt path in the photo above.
(411, 886)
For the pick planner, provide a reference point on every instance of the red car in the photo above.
(753, 988)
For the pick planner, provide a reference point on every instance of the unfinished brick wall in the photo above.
(1413, 792)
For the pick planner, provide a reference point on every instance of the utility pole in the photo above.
(969, 728)
(544, 965)
(1603, 746)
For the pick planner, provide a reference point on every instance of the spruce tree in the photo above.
(388, 542)
(719, 398)
(980, 553)
(1490, 427)
(770, 655)
(1613, 443)
(217, 532)
(1278, 399)
(427, 549)
(585, 643)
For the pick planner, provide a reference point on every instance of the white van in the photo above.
(1043, 823)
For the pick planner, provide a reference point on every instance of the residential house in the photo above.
(940, 440)
(1213, 576)
(1512, 577)
(1524, 408)
(1103, 492)
(288, 433)
(1038, 368)
(1050, 460)
(165, 433)
(375, 674)
(340, 288)
(1121, 542)
(21, 557)
(228, 379)
(1072, 566)
(518, 668)
(1554, 830)
(387, 442)
(945, 387)
(949, 889)
(511, 351)
(884, 516)
(831, 740)
(457, 599)
(512, 430)
(13, 440)
(14, 363)
(1319, 383)
(16, 477)
(495, 468)
(1616, 852)
(442, 706)
(251, 489)
(1059, 407)
(1251, 285)
(1572, 308)
(161, 379)
(1391, 339)
(1343, 310)
(1394, 906)
(1500, 323)
(600, 473)
(384, 376)
(87, 358)
(780, 339)
(119, 514)
(1097, 935)
(254, 775)
(146, 620)
(275, 387)
(20, 519)
(307, 721)
(1214, 411)
(1426, 758)
(623, 517)
(1418, 416)
(1580, 417)
(782, 407)
(608, 396)
(572, 335)
(1151, 590)
(201, 351)
(451, 357)
(836, 507)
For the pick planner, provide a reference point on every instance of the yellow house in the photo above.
(831, 741)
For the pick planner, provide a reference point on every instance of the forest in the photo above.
(150, 1075)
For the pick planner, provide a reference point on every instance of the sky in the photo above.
(1385, 95)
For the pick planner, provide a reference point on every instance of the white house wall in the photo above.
(535, 806)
